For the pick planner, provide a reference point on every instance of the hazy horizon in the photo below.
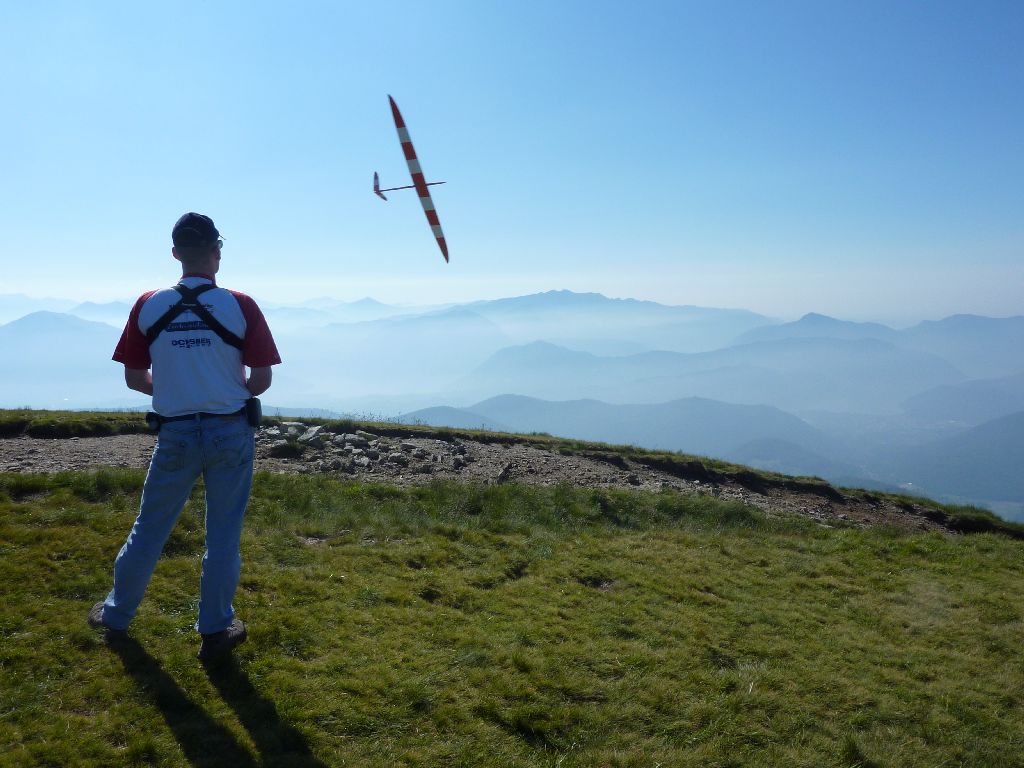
(893, 318)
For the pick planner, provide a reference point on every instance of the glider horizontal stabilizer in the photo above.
(376, 186)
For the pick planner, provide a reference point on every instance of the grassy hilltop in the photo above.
(506, 625)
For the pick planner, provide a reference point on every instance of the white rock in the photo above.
(312, 435)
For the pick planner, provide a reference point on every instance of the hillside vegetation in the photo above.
(505, 625)
(715, 474)
(63, 424)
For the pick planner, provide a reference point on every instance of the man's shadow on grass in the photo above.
(258, 715)
(204, 741)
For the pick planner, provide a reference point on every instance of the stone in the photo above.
(282, 449)
(361, 461)
(407, 447)
(419, 453)
(458, 462)
(312, 436)
(398, 458)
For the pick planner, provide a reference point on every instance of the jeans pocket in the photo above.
(171, 453)
(233, 448)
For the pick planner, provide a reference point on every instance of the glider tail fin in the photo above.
(376, 186)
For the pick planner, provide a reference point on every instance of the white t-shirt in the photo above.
(194, 370)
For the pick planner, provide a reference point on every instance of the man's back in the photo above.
(194, 369)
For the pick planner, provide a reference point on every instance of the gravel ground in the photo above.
(413, 459)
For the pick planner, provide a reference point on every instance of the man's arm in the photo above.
(259, 380)
(139, 379)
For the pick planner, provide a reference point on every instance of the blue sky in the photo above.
(862, 159)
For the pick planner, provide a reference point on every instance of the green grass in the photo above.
(509, 626)
(63, 424)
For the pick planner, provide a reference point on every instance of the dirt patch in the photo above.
(406, 459)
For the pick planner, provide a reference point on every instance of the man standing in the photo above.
(198, 339)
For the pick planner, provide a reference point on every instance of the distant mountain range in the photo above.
(983, 462)
(325, 311)
(113, 313)
(693, 425)
(458, 418)
(970, 402)
(983, 346)
(815, 326)
(759, 436)
(15, 305)
(848, 401)
(582, 320)
(59, 361)
(795, 374)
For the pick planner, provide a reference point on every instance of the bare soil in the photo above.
(409, 459)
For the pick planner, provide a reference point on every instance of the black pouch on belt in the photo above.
(153, 421)
(253, 411)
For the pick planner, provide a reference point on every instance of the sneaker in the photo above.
(95, 621)
(219, 644)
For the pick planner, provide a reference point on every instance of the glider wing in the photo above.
(418, 181)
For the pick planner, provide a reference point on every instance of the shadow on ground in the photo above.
(205, 742)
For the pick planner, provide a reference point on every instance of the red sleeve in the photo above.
(258, 348)
(133, 349)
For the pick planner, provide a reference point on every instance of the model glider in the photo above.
(419, 183)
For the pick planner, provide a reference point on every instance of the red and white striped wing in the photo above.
(418, 181)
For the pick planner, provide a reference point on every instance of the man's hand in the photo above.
(139, 379)
(259, 380)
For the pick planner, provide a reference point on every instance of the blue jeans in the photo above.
(221, 449)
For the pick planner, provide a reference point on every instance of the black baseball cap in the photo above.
(194, 230)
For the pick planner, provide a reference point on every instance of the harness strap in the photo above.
(190, 302)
